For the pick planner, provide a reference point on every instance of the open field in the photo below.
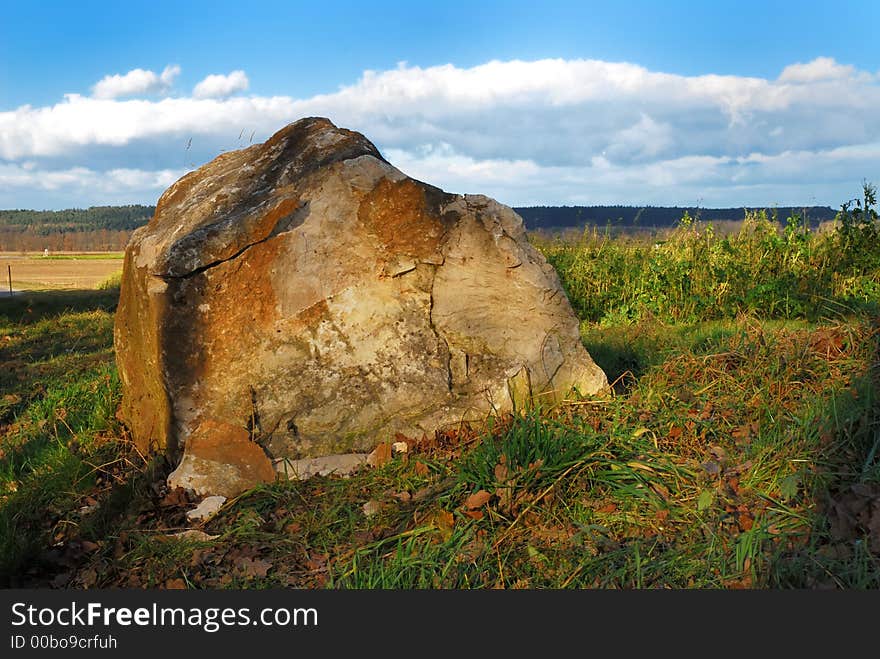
(60, 270)
(740, 448)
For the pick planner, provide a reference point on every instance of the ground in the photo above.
(60, 270)
(732, 453)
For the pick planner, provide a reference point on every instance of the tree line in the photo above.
(562, 217)
(97, 228)
(108, 228)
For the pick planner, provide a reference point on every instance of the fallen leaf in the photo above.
(719, 454)
(607, 508)
(445, 522)
(175, 584)
(317, 561)
(88, 578)
(705, 500)
(176, 497)
(381, 455)
(474, 514)
(536, 555)
(662, 490)
(707, 411)
(371, 507)
(477, 500)
(421, 468)
(89, 546)
(788, 488)
(742, 435)
(254, 568)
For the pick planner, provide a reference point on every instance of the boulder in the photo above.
(308, 293)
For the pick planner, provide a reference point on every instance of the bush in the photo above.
(765, 269)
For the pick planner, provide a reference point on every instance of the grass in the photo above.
(740, 448)
(73, 272)
(80, 256)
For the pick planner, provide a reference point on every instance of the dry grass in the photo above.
(71, 271)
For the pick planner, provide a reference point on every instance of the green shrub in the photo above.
(766, 269)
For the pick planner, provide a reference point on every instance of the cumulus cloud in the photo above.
(821, 68)
(79, 186)
(221, 86)
(136, 82)
(542, 132)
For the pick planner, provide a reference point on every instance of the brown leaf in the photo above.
(607, 508)
(421, 468)
(742, 434)
(175, 584)
(445, 522)
(198, 557)
(707, 411)
(254, 568)
(501, 472)
(719, 454)
(745, 521)
(88, 578)
(89, 546)
(381, 455)
(662, 490)
(477, 500)
(474, 514)
(317, 561)
(176, 497)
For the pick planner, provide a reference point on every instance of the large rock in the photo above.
(309, 292)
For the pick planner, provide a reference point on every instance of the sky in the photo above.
(711, 104)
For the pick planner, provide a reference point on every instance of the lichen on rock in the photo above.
(306, 291)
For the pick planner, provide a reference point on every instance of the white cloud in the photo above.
(86, 186)
(221, 86)
(136, 82)
(548, 131)
(821, 68)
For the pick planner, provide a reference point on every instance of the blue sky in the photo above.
(714, 103)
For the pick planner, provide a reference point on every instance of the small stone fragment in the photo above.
(339, 465)
(207, 508)
(220, 459)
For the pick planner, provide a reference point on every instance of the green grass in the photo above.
(695, 275)
(740, 447)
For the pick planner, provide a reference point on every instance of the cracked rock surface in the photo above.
(310, 293)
